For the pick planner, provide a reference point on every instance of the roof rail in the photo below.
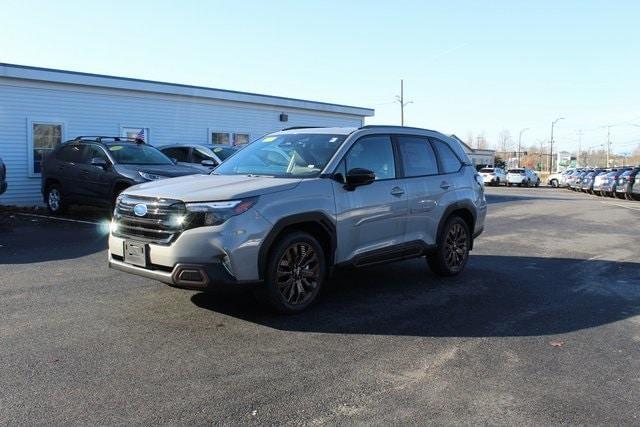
(395, 126)
(302, 127)
(113, 138)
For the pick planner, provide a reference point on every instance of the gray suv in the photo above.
(292, 206)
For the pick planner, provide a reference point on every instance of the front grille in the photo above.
(162, 222)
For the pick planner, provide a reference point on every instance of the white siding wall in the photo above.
(96, 111)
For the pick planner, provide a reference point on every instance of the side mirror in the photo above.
(99, 162)
(357, 177)
(209, 163)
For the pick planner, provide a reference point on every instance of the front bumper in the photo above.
(227, 253)
(187, 276)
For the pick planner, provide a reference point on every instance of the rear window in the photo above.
(487, 170)
(519, 171)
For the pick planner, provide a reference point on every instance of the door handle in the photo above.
(444, 185)
(397, 191)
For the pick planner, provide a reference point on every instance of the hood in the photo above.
(203, 188)
(164, 170)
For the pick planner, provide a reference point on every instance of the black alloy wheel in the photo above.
(296, 272)
(452, 253)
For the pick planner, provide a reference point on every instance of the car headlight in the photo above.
(215, 213)
(151, 176)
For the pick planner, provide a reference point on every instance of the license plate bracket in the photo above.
(135, 253)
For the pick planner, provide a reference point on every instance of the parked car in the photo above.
(635, 188)
(3, 177)
(576, 183)
(94, 170)
(626, 183)
(522, 177)
(564, 176)
(610, 182)
(205, 158)
(571, 178)
(558, 179)
(587, 182)
(493, 176)
(598, 180)
(343, 196)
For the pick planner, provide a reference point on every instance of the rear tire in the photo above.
(296, 271)
(55, 201)
(452, 252)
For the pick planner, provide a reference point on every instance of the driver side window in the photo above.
(374, 153)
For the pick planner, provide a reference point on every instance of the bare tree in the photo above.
(481, 141)
(504, 143)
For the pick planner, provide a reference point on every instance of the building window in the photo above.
(134, 132)
(43, 137)
(220, 138)
(240, 138)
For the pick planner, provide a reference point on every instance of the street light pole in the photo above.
(520, 143)
(553, 123)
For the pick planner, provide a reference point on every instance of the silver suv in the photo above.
(293, 205)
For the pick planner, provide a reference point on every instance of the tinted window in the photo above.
(374, 153)
(200, 154)
(449, 162)
(224, 152)
(180, 154)
(138, 154)
(70, 153)
(488, 170)
(418, 158)
(94, 152)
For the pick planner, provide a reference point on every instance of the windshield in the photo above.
(486, 170)
(286, 155)
(518, 171)
(138, 154)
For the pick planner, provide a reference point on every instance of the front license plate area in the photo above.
(135, 253)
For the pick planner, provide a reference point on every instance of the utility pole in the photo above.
(608, 144)
(553, 123)
(520, 144)
(579, 147)
(400, 100)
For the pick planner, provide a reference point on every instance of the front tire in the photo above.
(452, 253)
(295, 273)
(55, 201)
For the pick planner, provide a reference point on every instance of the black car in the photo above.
(3, 177)
(625, 183)
(94, 170)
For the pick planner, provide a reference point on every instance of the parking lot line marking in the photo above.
(623, 206)
(59, 219)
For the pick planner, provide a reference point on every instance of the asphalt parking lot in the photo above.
(543, 327)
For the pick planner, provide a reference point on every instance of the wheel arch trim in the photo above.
(317, 218)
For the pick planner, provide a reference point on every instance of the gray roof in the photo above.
(126, 83)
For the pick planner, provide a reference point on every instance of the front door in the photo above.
(371, 218)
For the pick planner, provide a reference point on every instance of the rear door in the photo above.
(423, 183)
(370, 219)
(66, 171)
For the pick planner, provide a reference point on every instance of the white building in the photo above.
(40, 108)
(478, 156)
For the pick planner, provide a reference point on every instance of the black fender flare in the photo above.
(318, 218)
(460, 205)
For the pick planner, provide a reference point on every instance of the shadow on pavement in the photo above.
(30, 239)
(495, 296)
